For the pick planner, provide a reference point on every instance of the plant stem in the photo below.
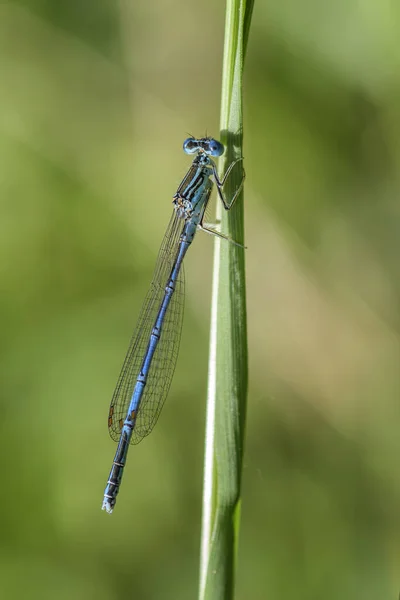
(227, 380)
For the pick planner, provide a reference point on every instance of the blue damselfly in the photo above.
(150, 362)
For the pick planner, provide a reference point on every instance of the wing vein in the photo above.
(165, 356)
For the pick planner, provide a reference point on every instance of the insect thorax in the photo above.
(195, 186)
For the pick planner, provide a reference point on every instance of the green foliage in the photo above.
(227, 387)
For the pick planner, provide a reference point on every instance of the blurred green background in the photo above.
(95, 101)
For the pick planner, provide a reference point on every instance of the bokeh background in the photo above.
(96, 98)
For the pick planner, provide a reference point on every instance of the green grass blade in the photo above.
(227, 387)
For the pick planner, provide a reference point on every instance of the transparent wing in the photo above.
(165, 356)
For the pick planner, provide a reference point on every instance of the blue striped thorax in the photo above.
(195, 189)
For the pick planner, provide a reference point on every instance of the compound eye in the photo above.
(215, 148)
(190, 146)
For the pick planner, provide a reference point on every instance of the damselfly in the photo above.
(150, 362)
